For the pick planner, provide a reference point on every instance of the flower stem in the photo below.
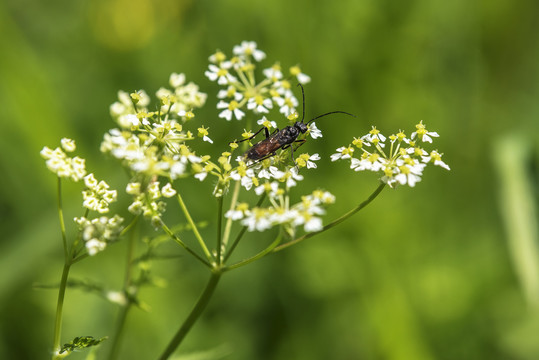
(194, 227)
(228, 226)
(61, 217)
(219, 229)
(334, 222)
(182, 244)
(59, 311)
(261, 254)
(116, 340)
(63, 281)
(194, 315)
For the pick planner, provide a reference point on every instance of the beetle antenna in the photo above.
(303, 106)
(329, 113)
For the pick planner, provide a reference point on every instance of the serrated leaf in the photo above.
(81, 342)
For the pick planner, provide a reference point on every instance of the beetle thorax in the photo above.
(301, 126)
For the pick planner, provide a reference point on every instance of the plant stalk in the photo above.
(199, 307)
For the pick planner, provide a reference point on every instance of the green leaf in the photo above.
(81, 342)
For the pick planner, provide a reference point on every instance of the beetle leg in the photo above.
(260, 160)
(266, 132)
(301, 142)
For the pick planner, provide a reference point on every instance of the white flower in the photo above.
(422, 133)
(239, 212)
(314, 131)
(220, 73)
(259, 104)
(273, 73)
(374, 136)
(116, 297)
(271, 172)
(168, 191)
(133, 188)
(257, 219)
(176, 80)
(436, 158)
(230, 92)
(310, 163)
(409, 171)
(94, 246)
(270, 188)
(234, 214)
(128, 120)
(248, 48)
(203, 133)
(344, 152)
(63, 166)
(68, 145)
(231, 108)
(302, 78)
(292, 177)
(201, 175)
(372, 162)
(267, 123)
(313, 224)
(99, 231)
(90, 181)
(287, 103)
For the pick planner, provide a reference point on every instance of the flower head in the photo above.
(405, 162)
(62, 165)
(98, 232)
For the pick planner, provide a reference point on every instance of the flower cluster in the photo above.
(242, 92)
(402, 163)
(148, 201)
(304, 213)
(97, 196)
(266, 179)
(153, 144)
(62, 165)
(98, 232)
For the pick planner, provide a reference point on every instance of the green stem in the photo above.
(63, 281)
(59, 311)
(219, 229)
(236, 242)
(119, 331)
(182, 244)
(61, 218)
(228, 226)
(194, 227)
(261, 254)
(334, 222)
(194, 315)
(116, 340)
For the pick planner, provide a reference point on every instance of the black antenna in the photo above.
(319, 116)
(303, 94)
(329, 113)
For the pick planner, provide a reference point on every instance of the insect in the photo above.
(282, 139)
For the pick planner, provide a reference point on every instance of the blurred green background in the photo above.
(446, 270)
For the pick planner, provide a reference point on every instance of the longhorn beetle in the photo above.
(282, 139)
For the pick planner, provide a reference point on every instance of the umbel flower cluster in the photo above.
(97, 196)
(402, 163)
(158, 149)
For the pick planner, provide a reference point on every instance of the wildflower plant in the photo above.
(158, 143)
